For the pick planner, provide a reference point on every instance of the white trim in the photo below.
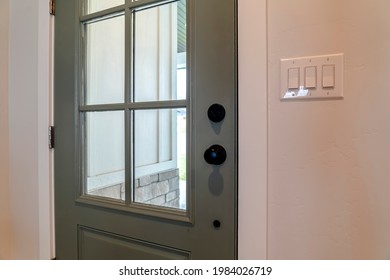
(252, 52)
(45, 186)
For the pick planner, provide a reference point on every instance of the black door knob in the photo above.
(215, 155)
(216, 113)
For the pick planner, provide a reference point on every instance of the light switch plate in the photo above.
(319, 90)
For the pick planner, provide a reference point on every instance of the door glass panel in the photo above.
(99, 5)
(160, 157)
(105, 61)
(105, 154)
(159, 50)
(157, 140)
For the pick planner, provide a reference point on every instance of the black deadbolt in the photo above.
(216, 113)
(215, 155)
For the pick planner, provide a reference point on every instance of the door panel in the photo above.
(132, 128)
(95, 245)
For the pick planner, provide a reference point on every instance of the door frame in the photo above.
(252, 129)
(252, 99)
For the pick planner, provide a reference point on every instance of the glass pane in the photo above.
(105, 154)
(160, 157)
(105, 61)
(159, 51)
(99, 5)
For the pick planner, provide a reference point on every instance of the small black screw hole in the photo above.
(217, 224)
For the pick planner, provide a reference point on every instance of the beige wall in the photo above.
(329, 161)
(23, 112)
(4, 195)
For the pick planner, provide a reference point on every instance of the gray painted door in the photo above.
(145, 167)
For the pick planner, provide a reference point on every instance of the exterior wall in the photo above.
(329, 160)
(5, 237)
(161, 189)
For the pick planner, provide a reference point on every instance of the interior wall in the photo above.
(329, 160)
(23, 128)
(5, 237)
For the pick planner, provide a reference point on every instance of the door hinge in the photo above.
(51, 137)
(52, 7)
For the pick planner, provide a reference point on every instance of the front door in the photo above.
(146, 131)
